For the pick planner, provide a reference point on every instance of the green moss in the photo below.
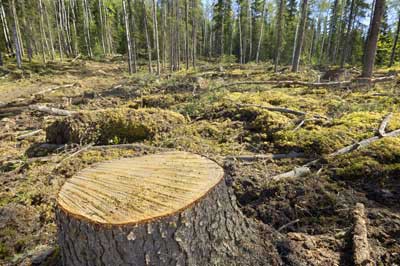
(378, 162)
(328, 137)
(270, 123)
(5, 251)
(104, 127)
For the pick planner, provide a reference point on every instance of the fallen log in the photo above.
(54, 88)
(361, 252)
(339, 84)
(51, 110)
(29, 134)
(274, 109)
(171, 208)
(270, 156)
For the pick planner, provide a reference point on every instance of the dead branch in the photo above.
(29, 134)
(361, 252)
(295, 173)
(303, 170)
(383, 125)
(84, 148)
(51, 110)
(51, 89)
(335, 84)
(76, 58)
(265, 156)
(274, 109)
(288, 224)
(136, 146)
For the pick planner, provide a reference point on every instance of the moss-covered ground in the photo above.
(192, 111)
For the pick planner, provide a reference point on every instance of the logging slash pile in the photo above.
(315, 165)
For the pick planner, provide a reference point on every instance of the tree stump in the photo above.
(171, 208)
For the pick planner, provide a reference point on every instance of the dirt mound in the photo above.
(112, 126)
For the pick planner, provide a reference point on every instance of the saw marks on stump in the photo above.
(133, 190)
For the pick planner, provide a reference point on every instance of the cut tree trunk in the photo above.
(171, 208)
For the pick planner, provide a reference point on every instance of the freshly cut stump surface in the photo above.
(135, 190)
(171, 208)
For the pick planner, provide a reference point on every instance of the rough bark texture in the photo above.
(370, 48)
(299, 44)
(361, 252)
(212, 231)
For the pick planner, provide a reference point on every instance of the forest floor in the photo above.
(313, 212)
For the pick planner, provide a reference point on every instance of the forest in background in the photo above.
(174, 34)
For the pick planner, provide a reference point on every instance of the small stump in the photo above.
(172, 208)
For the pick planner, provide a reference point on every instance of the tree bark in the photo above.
(261, 32)
(206, 228)
(279, 34)
(156, 36)
(396, 39)
(194, 33)
(49, 28)
(102, 35)
(370, 49)
(300, 39)
(187, 34)
(346, 44)
(86, 28)
(240, 36)
(133, 40)
(18, 52)
(128, 37)
(147, 37)
(6, 29)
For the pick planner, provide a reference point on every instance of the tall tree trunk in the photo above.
(58, 29)
(261, 31)
(194, 21)
(396, 38)
(28, 32)
(86, 28)
(17, 40)
(74, 29)
(300, 38)
(43, 38)
(222, 33)
(250, 36)
(187, 34)
(332, 31)
(49, 28)
(164, 34)
(156, 36)
(370, 48)
(240, 36)
(346, 44)
(103, 43)
(128, 37)
(132, 38)
(147, 36)
(6, 30)
(279, 34)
